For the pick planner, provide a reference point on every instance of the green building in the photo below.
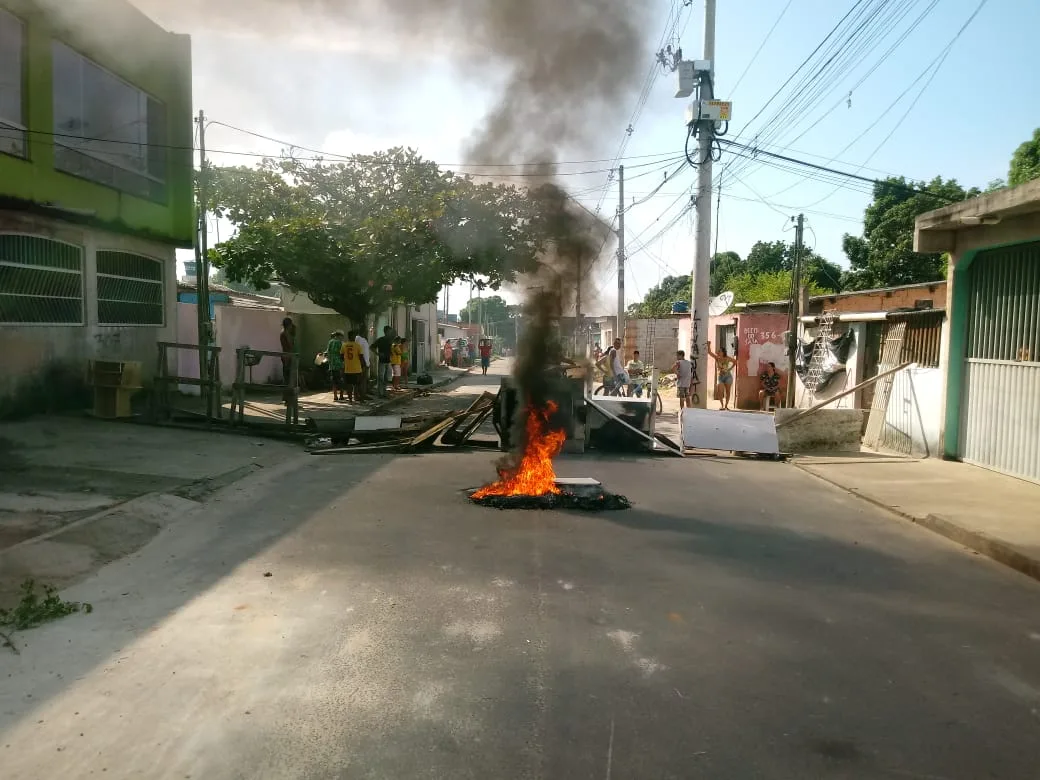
(95, 186)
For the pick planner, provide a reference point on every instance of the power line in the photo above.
(758, 51)
(671, 25)
(933, 68)
(867, 25)
(663, 157)
(906, 33)
(667, 180)
(804, 62)
(853, 176)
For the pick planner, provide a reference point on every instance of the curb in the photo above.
(195, 491)
(994, 549)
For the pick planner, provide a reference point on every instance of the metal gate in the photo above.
(1000, 410)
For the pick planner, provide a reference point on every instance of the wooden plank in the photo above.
(457, 438)
(829, 401)
(431, 433)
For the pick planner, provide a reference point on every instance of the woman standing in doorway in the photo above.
(724, 365)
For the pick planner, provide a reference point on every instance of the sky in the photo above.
(355, 91)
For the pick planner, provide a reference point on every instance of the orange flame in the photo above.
(534, 474)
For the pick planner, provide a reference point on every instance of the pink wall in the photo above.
(185, 362)
(237, 327)
(760, 340)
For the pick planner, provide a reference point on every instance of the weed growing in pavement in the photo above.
(35, 609)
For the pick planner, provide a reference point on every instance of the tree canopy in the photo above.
(659, 299)
(765, 275)
(372, 230)
(884, 255)
(1025, 162)
(492, 310)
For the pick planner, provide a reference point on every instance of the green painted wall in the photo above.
(121, 39)
(958, 314)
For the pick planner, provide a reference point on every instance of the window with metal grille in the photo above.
(129, 289)
(41, 281)
(106, 129)
(12, 79)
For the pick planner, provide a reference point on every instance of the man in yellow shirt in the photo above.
(351, 352)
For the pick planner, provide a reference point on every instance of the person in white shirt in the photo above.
(365, 363)
(636, 370)
(683, 370)
(612, 366)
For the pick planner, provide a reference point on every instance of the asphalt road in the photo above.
(743, 620)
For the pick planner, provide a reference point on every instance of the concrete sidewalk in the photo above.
(985, 511)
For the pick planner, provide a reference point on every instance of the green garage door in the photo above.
(1000, 412)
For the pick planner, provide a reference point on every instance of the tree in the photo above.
(1025, 162)
(884, 256)
(658, 300)
(723, 266)
(219, 276)
(373, 230)
(770, 257)
(748, 287)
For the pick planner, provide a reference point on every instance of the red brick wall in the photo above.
(882, 300)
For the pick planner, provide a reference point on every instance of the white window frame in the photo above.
(76, 145)
(83, 288)
(97, 294)
(9, 122)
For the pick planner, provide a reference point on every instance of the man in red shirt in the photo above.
(485, 355)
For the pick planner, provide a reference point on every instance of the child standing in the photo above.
(406, 360)
(334, 354)
(352, 366)
(395, 364)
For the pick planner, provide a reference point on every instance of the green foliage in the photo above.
(769, 257)
(723, 266)
(373, 230)
(658, 300)
(765, 286)
(764, 276)
(884, 256)
(1025, 162)
(34, 610)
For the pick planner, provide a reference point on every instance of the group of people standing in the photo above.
(349, 360)
(631, 375)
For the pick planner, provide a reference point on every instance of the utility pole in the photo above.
(620, 334)
(796, 298)
(202, 264)
(705, 129)
(575, 341)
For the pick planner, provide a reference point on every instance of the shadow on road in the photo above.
(132, 596)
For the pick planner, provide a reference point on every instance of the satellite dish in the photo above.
(720, 304)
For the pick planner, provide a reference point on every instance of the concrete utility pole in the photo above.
(202, 261)
(796, 299)
(620, 334)
(702, 260)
